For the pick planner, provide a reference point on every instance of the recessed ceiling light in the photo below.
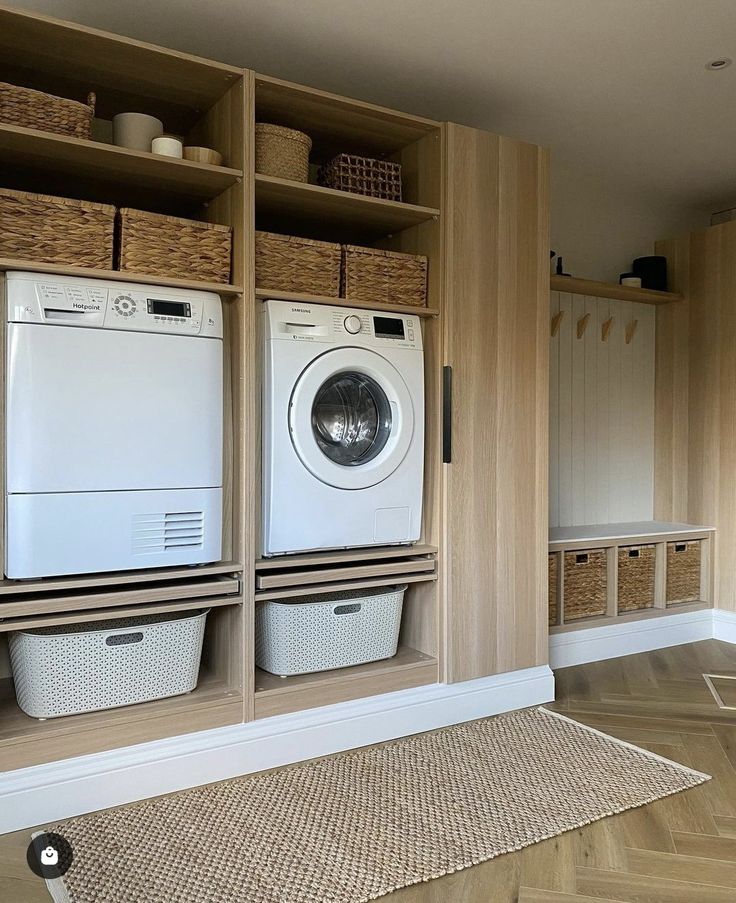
(719, 63)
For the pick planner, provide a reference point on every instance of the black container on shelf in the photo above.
(653, 272)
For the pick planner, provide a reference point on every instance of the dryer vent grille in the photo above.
(167, 531)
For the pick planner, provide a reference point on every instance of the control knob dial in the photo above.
(353, 324)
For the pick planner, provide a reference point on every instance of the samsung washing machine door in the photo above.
(351, 418)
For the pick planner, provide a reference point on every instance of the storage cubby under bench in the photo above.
(606, 573)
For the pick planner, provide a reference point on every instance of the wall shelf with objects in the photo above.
(607, 573)
(595, 289)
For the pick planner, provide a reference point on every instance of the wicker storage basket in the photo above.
(46, 112)
(586, 584)
(636, 577)
(328, 630)
(48, 229)
(553, 569)
(383, 277)
(282, 152)
(362, 175)
(169, 246)
(683, 572)
(86, 667)
(290, 264)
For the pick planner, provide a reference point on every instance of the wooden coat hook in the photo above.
(606, 329)
(583, 325)
(555, 324)
(631, 331)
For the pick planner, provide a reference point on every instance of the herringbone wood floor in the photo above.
(679, 850)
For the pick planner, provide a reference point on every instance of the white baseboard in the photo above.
(47, 793)
(724, 625)
(615, 640)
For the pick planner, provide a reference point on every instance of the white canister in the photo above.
(167, 146)
(136, 130)
(633, 281)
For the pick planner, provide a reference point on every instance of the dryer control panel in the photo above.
(71, 301)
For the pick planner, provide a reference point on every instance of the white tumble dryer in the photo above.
(113, 426)
(343, 436)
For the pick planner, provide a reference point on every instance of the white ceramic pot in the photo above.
(167, 146)
(136, 130)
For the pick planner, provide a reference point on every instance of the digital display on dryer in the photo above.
(388, 327)
(169, 308)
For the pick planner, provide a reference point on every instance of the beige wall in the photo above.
(599, 228)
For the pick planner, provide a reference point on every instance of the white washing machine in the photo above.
(113, 426)
(343, 436)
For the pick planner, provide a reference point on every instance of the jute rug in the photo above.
(356, 826)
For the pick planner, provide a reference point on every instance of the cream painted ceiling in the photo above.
(612, 86)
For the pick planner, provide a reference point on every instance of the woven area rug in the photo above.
(356, 826)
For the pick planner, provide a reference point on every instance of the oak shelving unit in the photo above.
(205, 102)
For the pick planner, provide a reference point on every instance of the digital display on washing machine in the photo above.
(169, 308)
(388, 327)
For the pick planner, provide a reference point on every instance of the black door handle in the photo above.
(447, 415)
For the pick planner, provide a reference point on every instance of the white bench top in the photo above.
(603, 532)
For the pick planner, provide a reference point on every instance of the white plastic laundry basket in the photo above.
(328, 630)
(101, 665)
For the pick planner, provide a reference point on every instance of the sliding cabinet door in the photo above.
(497, 346)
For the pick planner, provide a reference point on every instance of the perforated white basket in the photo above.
(328, 630)
(85, 667)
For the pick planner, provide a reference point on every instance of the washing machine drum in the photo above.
(351, 418)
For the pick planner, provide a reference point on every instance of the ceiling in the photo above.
(614, 87)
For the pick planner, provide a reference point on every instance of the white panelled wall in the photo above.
(601, 412)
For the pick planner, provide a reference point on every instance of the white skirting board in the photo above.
(47, 793)
(595, 644)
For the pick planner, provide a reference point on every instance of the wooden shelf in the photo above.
(10, 588)
(54, 269)
(265, 294)
(338, 124)
(610, 290)
(26, 741)
(286, 206)
(633, 533)
(292, 592)
(626, 617)
(78, 603)
(341, 556)
(103, 172)
(279, 695)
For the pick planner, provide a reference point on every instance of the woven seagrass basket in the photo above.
(553, 569)
(636, 577)
(586, 584)
(57, 230)
(282, 152)
(383, 277)
(169, 246)
(46, 112)
(683, 572)
(362, 175)
(290, 264)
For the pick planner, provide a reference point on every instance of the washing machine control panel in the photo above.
(154, 312)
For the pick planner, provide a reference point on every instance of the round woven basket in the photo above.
(282, 152)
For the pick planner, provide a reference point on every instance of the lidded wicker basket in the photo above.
(362, 175)
(384, 277)
(169, 246)
(282, 152)
(57, 230)
(290, 264)
(33, 109)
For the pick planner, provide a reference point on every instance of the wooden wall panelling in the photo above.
(497, 341)
(601, 412)
(671, 423)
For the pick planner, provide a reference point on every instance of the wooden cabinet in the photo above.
(496, 335)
